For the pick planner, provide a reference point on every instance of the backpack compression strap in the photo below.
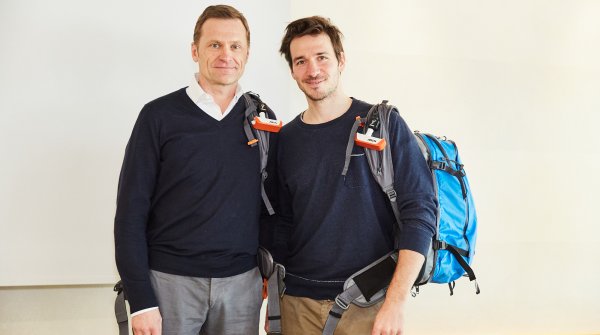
(121, 309)
(380, 162)
(260, 138)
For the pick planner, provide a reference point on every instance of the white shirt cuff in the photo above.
(143, 311)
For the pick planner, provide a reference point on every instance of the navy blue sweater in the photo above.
(331, 226)
(189, 197)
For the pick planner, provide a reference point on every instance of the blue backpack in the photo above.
(453, 245)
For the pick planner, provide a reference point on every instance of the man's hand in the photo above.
(389, 320)
(147, 323)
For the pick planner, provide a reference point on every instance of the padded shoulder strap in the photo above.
(380, 162)
(258, 137)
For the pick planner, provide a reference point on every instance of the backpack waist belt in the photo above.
(364, 288)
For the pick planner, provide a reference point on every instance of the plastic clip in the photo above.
(262, 122)
(368, 141)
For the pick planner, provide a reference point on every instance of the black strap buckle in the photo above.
(438, 165)
(439, 245)
(118, 287)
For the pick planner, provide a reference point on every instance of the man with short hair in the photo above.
(189, 199)
(332, 226)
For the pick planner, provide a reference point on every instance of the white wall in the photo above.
(75, 75)
(515, 83)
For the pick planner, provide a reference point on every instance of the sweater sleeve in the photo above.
(414, 187)
(136, 186)
(282, 225)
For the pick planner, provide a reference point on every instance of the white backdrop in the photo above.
(74, 75)
(515, 83)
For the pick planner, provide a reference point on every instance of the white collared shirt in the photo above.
(206, 102)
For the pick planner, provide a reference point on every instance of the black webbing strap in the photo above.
(464, 265)
(392, 197)
(441, 245)
(121, 309)
(459, 174)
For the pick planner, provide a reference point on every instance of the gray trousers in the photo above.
(211, 306)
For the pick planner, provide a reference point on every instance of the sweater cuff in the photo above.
(414, 238)
(140, 296)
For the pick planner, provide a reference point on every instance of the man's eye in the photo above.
(300, 62)
(236, 46)
(214, 45)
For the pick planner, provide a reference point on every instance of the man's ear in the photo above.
(342, 61)
(194, 52)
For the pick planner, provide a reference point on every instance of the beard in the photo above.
(315, 95)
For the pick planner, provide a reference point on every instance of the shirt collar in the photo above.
(198, 95)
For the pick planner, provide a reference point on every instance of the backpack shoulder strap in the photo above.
(258, 137)
(380, 162)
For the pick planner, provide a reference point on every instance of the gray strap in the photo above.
(274, 289)
(381, 166)
(121, 314)
(342, 302)
(265, 198)
(392, 196)
(350, 145)
(263, 145)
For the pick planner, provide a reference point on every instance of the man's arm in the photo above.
(390, 318)
(417, 205)
(136, 187)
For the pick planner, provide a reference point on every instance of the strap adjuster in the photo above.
(439, 245)
(438, 165)
(341, 303)
(391, 193)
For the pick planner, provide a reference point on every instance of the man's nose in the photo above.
(313, 69)
(225, 53)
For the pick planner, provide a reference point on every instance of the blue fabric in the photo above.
(331, 226)
(458, 220)
(189, 197)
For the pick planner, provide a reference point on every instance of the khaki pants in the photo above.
(304, 316)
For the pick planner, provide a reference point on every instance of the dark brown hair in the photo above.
(313, 25)
(220, 12)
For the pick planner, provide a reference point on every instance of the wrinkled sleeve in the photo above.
(414, 187)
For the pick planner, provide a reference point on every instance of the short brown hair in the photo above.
(220, 12)
(313, 25)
